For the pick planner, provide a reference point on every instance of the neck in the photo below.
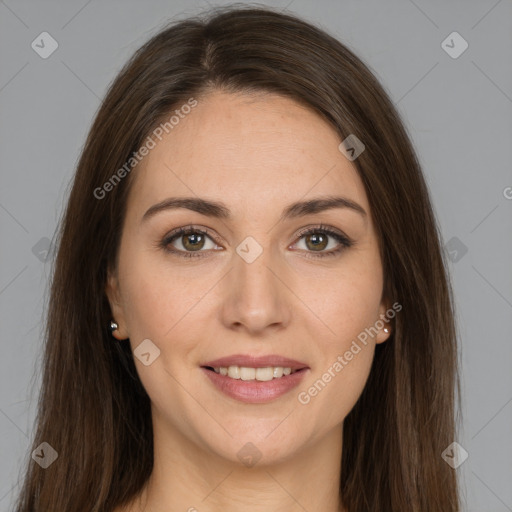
(191, 478)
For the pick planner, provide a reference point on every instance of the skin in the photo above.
(257, 154)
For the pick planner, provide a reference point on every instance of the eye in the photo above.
(195, 242)
(187, 241)
(316, 240)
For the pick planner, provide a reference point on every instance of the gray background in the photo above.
(457, 110)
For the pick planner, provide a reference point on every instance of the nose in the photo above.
(256, 297)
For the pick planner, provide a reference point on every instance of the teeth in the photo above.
(278, 372)
(264, 374)
(247, 373)
(261, 374)
(234, 372)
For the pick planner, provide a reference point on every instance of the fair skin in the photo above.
(256, 154)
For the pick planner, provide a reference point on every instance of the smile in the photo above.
(254, 385)
(260, 374)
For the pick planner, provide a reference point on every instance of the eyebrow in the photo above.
(221, 211)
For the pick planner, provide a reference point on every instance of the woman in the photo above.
(249, 306)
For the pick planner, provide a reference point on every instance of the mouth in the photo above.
(255, 379)
(261, 374)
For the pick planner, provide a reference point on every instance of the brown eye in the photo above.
(187, 241)
(317, 241)
(193, 241)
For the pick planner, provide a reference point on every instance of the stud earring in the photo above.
(386, 330)
(113, 326)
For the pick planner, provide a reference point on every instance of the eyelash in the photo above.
(343, 240)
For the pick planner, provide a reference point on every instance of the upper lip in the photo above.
(256, 362)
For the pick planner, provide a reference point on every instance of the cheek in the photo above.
(157, 297)
(332, 394)
(343, 368)
(350, 308)
(349, 301)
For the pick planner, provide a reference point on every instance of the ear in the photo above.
(114, 298)
(384, 322)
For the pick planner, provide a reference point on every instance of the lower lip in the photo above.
(255, 391)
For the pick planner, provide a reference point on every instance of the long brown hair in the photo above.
(93, 409)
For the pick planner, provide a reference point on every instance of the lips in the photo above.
(256, 362)
(245, 389)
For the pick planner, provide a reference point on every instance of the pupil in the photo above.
(318, 240)
(192, 240)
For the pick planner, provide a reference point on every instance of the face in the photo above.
(253, 286)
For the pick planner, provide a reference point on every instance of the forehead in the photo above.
(253, 152)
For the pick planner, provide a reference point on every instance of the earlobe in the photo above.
(383, 324)
(384, 334)
(118, 325)
(116, 334)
